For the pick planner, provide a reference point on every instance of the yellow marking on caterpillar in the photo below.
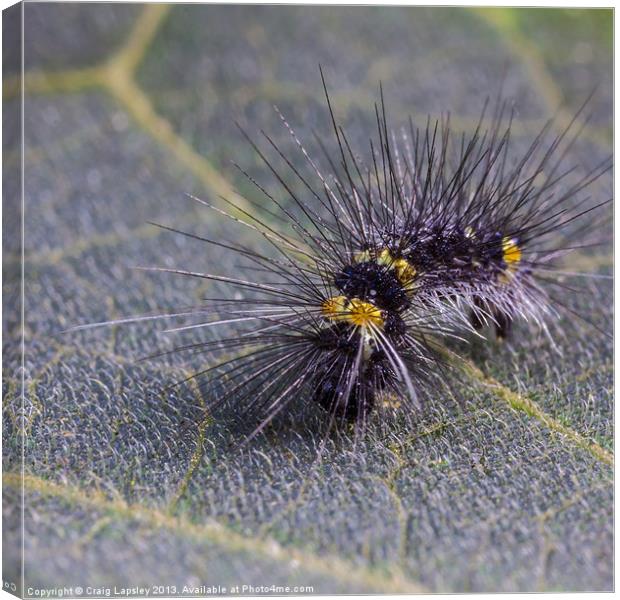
(510, 251)
(385, 258)
(334, 307)
(355, 311)
(363, 256)
(405, 271)
(363, 313)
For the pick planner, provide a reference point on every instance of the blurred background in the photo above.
(127, 107)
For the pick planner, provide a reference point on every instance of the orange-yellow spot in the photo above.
(385, 258)
(334, 307)
(363, 256)
(355, 311)
(404, 271)
(363, 313)
(510, 252)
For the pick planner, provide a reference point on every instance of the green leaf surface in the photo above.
(510, 489)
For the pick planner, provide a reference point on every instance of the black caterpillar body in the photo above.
(376, 264)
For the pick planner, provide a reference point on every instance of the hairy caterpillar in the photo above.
(371, 267)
